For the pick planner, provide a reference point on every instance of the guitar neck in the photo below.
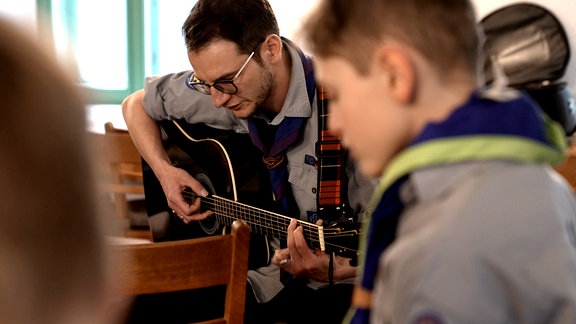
(261, 221)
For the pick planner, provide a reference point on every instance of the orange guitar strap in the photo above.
(331, 199)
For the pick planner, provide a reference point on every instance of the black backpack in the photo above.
(530, 45)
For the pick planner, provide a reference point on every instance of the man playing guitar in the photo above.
(268, 89)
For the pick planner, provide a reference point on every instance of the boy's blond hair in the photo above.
(444, 32)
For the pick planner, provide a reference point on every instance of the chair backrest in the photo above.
(130, 169)
(188, 264)
(119, 165)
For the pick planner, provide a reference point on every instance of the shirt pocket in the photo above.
(303, 180)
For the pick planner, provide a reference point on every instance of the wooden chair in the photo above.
(119, 166)
(188, 264)
(128, 169)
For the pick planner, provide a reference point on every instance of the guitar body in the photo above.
(227, 164)
(230, 167)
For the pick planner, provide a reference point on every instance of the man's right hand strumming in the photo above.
(175, 182)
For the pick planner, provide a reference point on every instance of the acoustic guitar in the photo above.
(231, 169)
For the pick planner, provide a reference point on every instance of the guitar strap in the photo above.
(331, 197)
(332, 194)
(331, 163)
(332, 178)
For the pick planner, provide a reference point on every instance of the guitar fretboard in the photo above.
(276, 225)
(261, 221)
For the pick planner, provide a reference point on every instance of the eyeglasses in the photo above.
(225, 86)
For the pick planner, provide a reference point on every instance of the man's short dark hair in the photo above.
(244, 22)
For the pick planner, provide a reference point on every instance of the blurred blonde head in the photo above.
(51, 252)
(443, 32)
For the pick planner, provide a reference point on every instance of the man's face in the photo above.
(220, 61)
(362, 110)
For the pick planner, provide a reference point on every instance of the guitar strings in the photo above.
(245, 209)
(278, 224)
(306, 226)
(269, 228)
(253, 215)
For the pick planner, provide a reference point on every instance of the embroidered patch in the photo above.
(310, 160)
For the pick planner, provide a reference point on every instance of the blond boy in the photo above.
(469, 224)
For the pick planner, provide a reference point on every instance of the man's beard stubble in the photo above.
(267, 85)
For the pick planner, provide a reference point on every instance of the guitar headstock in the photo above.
(342, 238)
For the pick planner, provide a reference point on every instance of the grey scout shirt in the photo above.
(169, 96)
(481, 242)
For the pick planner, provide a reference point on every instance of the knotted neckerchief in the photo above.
(284, 136)
(481, 129)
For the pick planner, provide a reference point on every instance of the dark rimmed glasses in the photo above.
(225, 86)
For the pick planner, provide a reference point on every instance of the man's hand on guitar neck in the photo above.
(177, 184)
(300, 261)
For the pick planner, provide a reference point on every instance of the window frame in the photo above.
(135, 55)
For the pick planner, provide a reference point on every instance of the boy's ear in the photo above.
(399, 70)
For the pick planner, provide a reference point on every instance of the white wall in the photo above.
(22, 12)
(564, 10)
(291, 12)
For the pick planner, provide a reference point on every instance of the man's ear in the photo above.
(272, 48)
(399, 69)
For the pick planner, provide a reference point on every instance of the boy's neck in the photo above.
(438, 100)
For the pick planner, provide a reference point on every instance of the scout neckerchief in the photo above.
(482, 129)
(273, 141)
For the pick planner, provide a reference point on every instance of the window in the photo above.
(115, 44)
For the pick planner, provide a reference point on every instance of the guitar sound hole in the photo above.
(210, 225)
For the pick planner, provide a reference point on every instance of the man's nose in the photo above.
(219, 98)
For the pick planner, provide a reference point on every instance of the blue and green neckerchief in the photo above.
(481, 129)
